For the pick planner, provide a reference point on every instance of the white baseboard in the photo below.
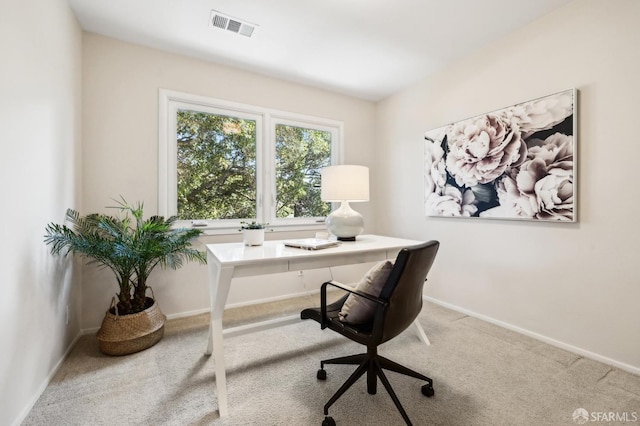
(247, 303)
(230, 306)
(562, 345)
(272, 299)
(27, 409)
(189, 313)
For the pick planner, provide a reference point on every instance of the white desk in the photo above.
(227, 261)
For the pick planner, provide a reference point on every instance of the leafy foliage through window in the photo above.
(216, 166)
(227, 162)
(300, 154)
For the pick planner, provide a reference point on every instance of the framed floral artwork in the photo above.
(518, 162)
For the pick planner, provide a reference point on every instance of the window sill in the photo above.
(234, 230)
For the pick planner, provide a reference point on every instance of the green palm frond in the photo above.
(129, 245)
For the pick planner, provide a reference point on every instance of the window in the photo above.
(216, 166)
(226, 162)
(300, 154)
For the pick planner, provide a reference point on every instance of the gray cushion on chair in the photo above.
(358, 310)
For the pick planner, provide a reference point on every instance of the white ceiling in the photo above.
(363, 48)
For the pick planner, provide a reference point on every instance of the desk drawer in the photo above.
(260, 269)
(337, 260)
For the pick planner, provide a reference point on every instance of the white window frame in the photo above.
(266, 120)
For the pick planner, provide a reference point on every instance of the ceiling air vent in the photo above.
(229, 23)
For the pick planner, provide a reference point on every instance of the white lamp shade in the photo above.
(344, 183)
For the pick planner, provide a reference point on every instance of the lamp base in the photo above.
(345, 223)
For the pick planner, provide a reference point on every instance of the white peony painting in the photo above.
(513, 163)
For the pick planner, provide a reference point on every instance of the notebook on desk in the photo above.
(311, 243)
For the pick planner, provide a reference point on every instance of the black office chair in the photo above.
(396, 308)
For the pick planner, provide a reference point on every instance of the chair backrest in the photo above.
(403, 289)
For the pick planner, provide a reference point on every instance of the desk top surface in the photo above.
(238, 253)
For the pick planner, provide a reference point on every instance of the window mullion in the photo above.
(268, 213)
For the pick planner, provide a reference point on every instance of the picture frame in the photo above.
(515, 163)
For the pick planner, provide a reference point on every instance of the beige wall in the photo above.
(40, 175)
(120, 105)
(574, 284)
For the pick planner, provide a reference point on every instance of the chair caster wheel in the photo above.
(328, 421)
(322, 375)
(427, 390)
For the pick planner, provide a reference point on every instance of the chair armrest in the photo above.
(323, 298)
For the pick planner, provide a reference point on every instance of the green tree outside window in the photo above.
(216, 168)
(300, 154)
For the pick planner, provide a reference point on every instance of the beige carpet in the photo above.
(483, 375)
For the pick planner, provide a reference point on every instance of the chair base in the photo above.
(372, 364)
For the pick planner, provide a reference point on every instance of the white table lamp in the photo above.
(345, 183)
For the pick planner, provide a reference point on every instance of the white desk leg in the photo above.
(219, 284)
(421, 333)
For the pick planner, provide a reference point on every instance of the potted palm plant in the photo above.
(131, 247)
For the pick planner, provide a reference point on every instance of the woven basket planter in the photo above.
(127, 334)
